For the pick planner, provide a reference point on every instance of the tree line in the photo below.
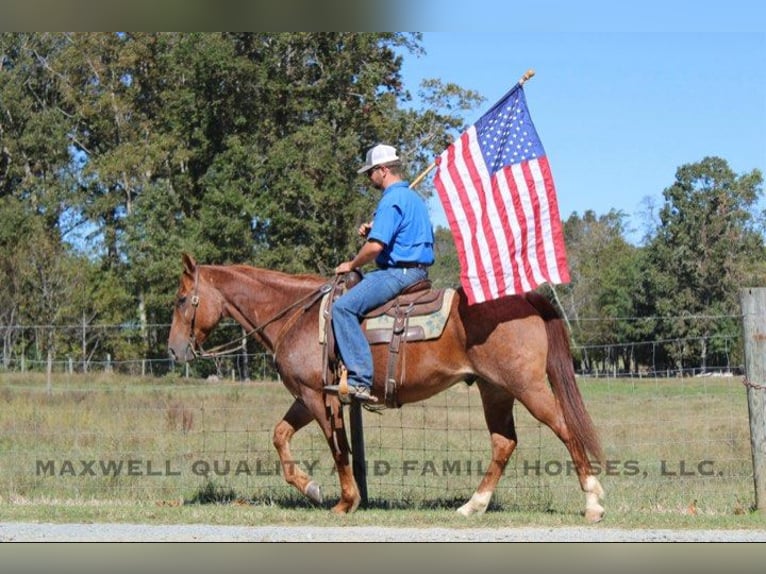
(680, 287)
(119, 151)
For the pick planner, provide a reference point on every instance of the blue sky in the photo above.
(619, 102)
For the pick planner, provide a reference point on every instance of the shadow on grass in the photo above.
(444, 503)
(211, 493)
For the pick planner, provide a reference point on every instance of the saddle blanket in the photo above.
(431, 325)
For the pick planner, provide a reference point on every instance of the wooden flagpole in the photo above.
(422, 175)
(527, 76)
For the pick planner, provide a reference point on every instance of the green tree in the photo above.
(34, 152)
(707, 244)
(238, 147)
(14, 215)
(332, 96)
(446, 268)
(600, 301)
(34, 190)
(47, 278)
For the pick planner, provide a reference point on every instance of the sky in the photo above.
(619, 103)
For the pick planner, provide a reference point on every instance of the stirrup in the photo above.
(360, 393)
(346, 392)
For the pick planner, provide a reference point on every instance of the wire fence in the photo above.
(146, 429)
(116, 348)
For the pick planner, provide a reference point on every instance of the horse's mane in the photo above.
(279, 277)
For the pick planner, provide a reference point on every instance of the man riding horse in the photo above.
(400, 240)
(515, 348)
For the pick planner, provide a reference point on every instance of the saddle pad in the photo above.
(432, 324)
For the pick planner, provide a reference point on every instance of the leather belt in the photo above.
(406, 265)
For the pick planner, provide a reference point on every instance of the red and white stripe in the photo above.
(506, 226)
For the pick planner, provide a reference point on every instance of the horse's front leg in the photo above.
(330, 419)
(335, 431)
(297, 417)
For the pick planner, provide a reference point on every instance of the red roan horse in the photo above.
(511, 348)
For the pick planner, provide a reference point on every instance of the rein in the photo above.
(236, 344)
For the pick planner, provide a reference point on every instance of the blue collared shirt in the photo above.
(402, 224)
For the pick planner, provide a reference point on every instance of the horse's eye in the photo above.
(181, 300)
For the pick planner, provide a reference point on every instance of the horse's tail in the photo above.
(561, 375)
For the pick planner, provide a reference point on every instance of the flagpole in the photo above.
(527, 76)
(422, 175)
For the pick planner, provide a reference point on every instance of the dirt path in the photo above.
(29, 532)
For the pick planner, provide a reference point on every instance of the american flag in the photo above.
(497, 191)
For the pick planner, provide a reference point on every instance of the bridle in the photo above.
(235, 345)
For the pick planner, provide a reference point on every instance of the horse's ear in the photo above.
(190, 265)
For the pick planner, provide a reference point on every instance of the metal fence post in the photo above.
(358, 461)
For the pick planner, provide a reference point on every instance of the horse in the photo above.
(513, 348)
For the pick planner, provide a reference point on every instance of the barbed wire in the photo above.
(599, 359)
(751, 385)
(660, 318)
(137, 326)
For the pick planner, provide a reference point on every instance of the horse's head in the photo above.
(197, 309)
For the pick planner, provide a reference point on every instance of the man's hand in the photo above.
(367, 253)
(364, 229)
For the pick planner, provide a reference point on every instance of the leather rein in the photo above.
(236, 345)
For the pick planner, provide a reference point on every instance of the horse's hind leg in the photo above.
(498, 413)
(542, 404)
(296, 418)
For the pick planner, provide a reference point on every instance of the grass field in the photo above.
(177, 450)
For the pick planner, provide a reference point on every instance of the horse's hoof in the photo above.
(341, 508)
(345, 508)
(477, 504)
(464, 511)
(468, 509)
(594, 515)
(314, 492)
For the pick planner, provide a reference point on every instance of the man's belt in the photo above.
(406, 265)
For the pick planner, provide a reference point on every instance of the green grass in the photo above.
(288, 512)
(677, 451)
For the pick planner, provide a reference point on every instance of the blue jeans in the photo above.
(376, 288)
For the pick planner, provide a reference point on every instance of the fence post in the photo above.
(358, 461)
(753, 305)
